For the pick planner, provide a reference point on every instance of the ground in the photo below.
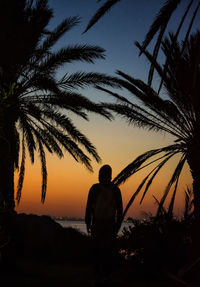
(34, 273)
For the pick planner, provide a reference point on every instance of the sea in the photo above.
(80, 225)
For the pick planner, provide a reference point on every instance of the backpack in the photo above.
(105, 204)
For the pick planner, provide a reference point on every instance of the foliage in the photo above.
(7, 218)
(177, 113)
(158, 27)
(158, 245)
(36, 101)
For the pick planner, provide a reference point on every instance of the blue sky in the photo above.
(116, 32)
(127, 22)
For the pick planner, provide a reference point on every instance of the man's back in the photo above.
(105, 205)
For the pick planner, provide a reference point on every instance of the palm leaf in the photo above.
(155, 52)
(115, 95)
(82, 79)
(188, 203)
(66, 124)
(69, 145)
(137, 163)
(70, 54)
(143, 118)
(157, 202)
(157, 169)
(165, 109)
(17, 148)
(44, 170)
(173, 179)
(171, 205)
(22, 171)
(28, 136)
(134, 196)
(100, 12)
(161, 20)
(175, 39)
(190, 26)
(57, 33)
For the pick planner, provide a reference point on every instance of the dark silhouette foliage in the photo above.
(37, 103)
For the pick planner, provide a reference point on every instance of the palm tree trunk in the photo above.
(7, 203)
(194, 164)
(196, 234)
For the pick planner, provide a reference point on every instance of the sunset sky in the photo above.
(117, 142)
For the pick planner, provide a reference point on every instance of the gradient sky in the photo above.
(117, 142)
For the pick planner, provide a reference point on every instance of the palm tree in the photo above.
(35, 103)
(177, 113)
(157, 28)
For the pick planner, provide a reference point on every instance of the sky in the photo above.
(117, 142)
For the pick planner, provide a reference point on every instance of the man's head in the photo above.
(105, 174)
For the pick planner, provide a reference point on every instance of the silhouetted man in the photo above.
(103, 218)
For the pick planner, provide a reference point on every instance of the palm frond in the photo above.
(100, 13)
(16, 148)
(56, 34)
(153, 61)
(28, 136)
(46, 141)
(134, 115)
(190, 26)
(188, 203)
(84, 53)
(70, 101)
(66, 124)
(162, 210)
(173, 88)
(164, 108)
(130, 202)
(43, 100)
(121, 99)
(71, 147)
(41, 4)
(175, 39)
(173, 179)
(22, 171)
(82, 79)
(161, 20)
(157, 169)
(155, 52)
(155, 119)
(171, 205)
(40, 82)
(182, 75)
(137, 163)
(44, 170)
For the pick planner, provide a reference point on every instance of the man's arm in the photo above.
(119, 207)
(88, 210)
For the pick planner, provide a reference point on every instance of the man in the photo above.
(103, 218)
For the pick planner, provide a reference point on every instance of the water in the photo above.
(81, 226)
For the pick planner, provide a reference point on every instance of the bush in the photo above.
(157, 244)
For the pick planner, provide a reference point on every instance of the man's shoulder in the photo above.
(95, 187)
(115, 187)
(98, 186)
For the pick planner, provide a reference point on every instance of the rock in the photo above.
(36, 235)
(42, 238)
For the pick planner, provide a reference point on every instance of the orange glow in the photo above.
(69, 182)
